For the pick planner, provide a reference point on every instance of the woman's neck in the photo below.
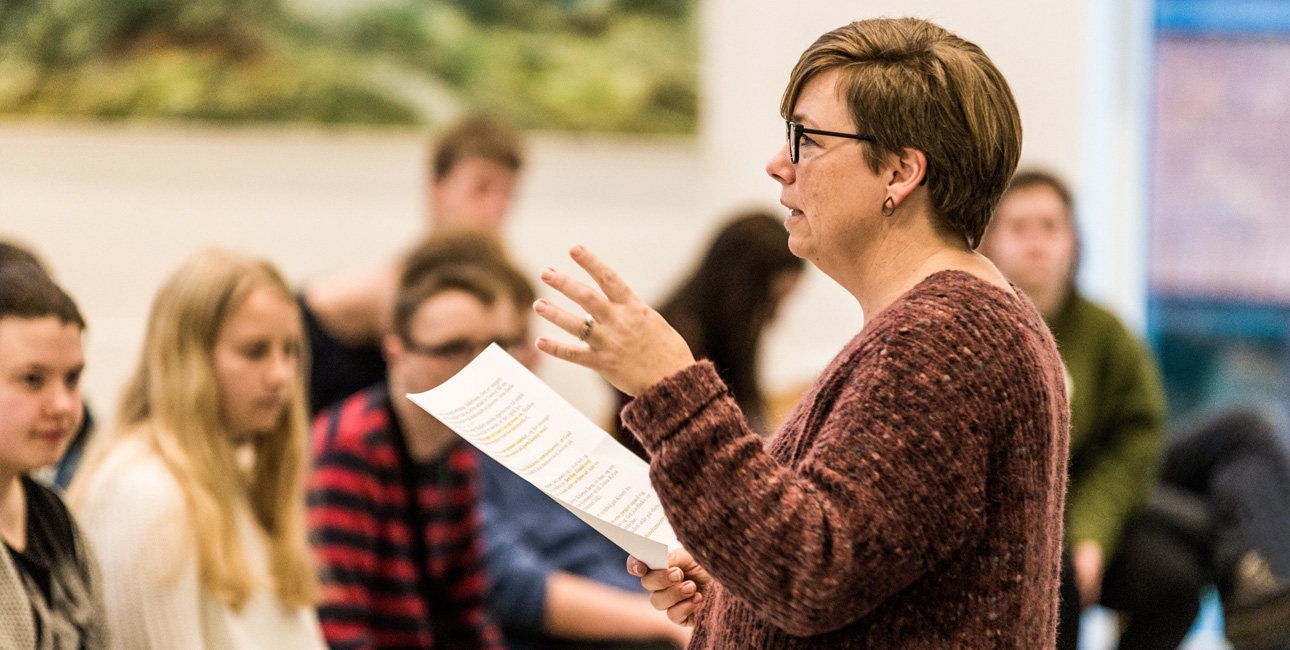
(908, 257)
(13, 512)
(426, 437)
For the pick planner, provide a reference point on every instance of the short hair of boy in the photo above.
(27, 292)
(475, 136)
(478, 280)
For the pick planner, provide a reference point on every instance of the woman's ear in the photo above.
(908, 171)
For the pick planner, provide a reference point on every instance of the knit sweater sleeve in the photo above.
(136, 520)
(890, 481)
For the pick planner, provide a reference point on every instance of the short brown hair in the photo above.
(453, 246)
(27, 292)
(475, 136)
(910, 83)
(14, 253)
(1027, 178)
(477, 280)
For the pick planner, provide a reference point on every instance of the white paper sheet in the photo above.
(505, 411)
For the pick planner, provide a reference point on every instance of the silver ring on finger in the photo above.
(586, 329)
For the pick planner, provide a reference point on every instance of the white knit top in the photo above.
(135, 518)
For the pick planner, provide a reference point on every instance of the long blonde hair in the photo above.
(172, 402)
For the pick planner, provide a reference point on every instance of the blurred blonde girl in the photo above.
(194, 500)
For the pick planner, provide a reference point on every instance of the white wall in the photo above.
(113, 210)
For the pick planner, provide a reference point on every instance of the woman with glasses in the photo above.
(914, 498)
(195, 499)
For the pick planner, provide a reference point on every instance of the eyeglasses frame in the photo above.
(443, 350)
(794, 131)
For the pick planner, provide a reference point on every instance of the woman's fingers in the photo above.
(636, 567)
(683, 612)
(660, 579)
(569, 322)
(669, 589)
(579, 354)
(606, 277)
(670, 597)
(586, 297)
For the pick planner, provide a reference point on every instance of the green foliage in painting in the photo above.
(604, 65)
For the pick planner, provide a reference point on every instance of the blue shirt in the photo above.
(528, 536)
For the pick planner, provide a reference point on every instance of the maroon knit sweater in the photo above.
(912, 500)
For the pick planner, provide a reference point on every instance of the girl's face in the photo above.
(40, 391)
(256, 357)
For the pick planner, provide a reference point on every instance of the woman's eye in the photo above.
(255, 351)
(33, 381)
(73, 379)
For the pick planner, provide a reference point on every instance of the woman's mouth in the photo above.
(52, 435)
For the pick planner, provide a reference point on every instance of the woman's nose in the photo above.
(779, 167)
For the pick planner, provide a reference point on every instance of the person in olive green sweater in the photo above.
(1116, 397)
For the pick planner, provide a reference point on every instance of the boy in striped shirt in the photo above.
(393, 492)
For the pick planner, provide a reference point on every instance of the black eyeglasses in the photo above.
(462, 349)
(795, 131)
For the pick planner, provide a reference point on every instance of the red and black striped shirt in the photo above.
(373, 595)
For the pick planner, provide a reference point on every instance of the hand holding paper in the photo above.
(678, 589)
(505, 411)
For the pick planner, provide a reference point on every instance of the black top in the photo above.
(337, 370)
(56, 575)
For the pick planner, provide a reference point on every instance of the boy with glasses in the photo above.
(393, 492)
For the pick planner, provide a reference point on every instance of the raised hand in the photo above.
(621, 337)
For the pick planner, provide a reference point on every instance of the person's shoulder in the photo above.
(346, 305)
(133, 477)
(364, 418)
(954, 319)
(133, 500)
(1087, 315)
(47, 507)
(953, 300)
(42, 495)
(360, 426)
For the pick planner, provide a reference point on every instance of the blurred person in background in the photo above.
(1117, 402)
(49, 585)
(557, 583)
(195, 499)
(913, 499)
(393, 494)
(1220, 515)
(474, 167)
(725, 305)
(1220, 511)
(62, 471)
